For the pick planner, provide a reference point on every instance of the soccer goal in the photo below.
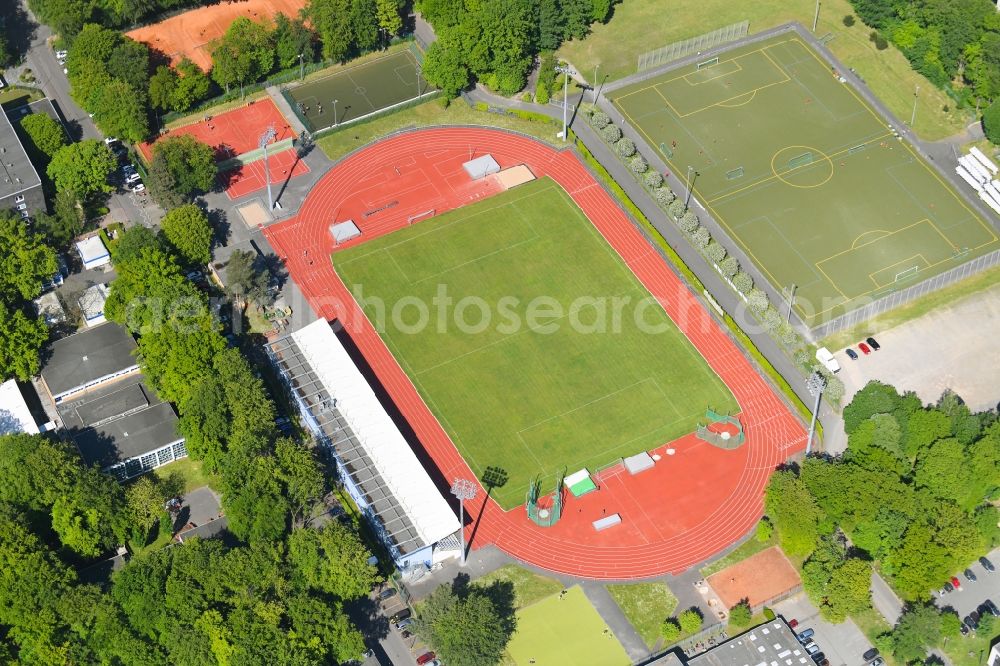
(734, 173)
(708, 63)
(419, 216)
(910, 272)
(800, 160)
(666, 150)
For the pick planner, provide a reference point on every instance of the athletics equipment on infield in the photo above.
(721, 437)
(549, 514)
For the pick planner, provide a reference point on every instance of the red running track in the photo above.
(249, 178)
(692, 504)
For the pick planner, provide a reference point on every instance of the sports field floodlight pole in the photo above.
(463, 489)
(336, 122)
(266, 138)
(302, 67)
(791, 301)
(418, 80)
(913, 116)
(596, 67)
(692, 174)
(816, 16)
(815, 384)
(565, 72)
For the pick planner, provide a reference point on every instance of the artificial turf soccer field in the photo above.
(359, 90)
(805, 176)
(532, 401)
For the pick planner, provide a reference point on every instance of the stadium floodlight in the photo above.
(692, 174)
(335, 121)
(815, 384)
(596, 67)
(913, 116)
(565, 72)
(463, 489)
(267, 137)
(302, 70)
(418, 80)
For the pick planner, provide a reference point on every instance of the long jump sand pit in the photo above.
(190, 33)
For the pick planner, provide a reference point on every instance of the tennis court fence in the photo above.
(902, 295)
(677, 50)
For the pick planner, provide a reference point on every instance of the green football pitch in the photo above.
(549, 355)
(564, 631)
(805, 176)
(359, 90)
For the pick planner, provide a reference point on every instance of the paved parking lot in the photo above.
(843, 644)
(987, 586)
(945, 348)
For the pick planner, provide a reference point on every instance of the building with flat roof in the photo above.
(378, 467)
(93, 253)
(92, 304)
(770, 644)
(20, 184)
(15, 416)
(123, 428)
(85, 360)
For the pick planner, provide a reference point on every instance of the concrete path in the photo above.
(884, 600)
(286, 110)
(613, 616)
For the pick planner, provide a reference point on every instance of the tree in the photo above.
(332, 560)
(245, 280)
(848, 591)
(189, 233)
(742, 281)
(387, 15)
(182, 168)
(364, 27)
(45, 134)
(66, 222)
(163, 88)
(144, 501)
(445, 68)
(25, 260)
(467, 629)
(291, 39)
(794, 512)
(764, 530)
(874, 398)
(243, 55)
(177, 354)
(670, 630)
(757, 300)
(83, 168)
(331, 21)
(119, 110)
(301, 475)
(551, 25)
(192, 85)
(21, 339)
(917, 629)
(690, 621)
(740, 615)
(89, 519)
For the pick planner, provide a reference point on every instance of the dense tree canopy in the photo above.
(83, 168)
(467, 625)
(45, 134)
(182, 168)
(243, 55)
(189, 232)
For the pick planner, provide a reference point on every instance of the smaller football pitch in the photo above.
(530, 340)
(360, 90)
(805, 176)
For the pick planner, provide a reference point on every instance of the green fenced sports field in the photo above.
(543, 375)
(805, 176)
(360, 90)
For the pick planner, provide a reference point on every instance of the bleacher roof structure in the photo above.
(373, 451)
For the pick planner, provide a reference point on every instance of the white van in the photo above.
(824, 356)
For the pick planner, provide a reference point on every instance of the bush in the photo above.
(743, 282)
(730, 266)
(625, 147)
(849, 20)
(690, 621)
(676, 209)
(664, 196)
(599, 119)
(787, 335)
(688, 222)
(542, 94)
(715, 251)
(765, 528)
(611, 133)
(873, 35)
(991, 122)
(670, 630)
(772, 319)
(701, 237)
(834, 390)
(768, 614)
(803, 359)
(653, 179)
(638, 164)
(740, 615)
(880, 43)
(757, 300)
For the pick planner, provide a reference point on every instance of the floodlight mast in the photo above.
(564, 70)
(267, 137)
(463, 489)
(815, 384)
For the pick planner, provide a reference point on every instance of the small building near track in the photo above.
(772, 643)
(15, 416)
(378, 467)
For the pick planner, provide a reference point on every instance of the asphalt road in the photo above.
(885, 600)
(972, 594)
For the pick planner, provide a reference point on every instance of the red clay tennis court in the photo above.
(189, 34)
(760, 578)
(691, 504)
(248, 178)
(234, 132)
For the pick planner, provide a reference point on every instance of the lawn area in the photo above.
(529, 587)
(12, 97)
(646, 605)
(530, 372)
(643, 25)
(428, 114)
(748, 548)
(805, 176)
(191, 473)
(947, 296)
(564, 631)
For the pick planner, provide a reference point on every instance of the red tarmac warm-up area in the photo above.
(690, 504)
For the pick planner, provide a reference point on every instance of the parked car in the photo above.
(793, 623)
(851, 354)
(865, 349)
(964, 629)
(818, 657)
(812, 648)
(404, 624)
(948, 587)
(870, 654)
(198, 276)
(971, 623)
(387, 593)
(987, 564)
(877, 661)
(873, 343)
(989, 607)
(425, 657)
(824, 662)
(138, 188)
(62, 55)
(132, 177)
(399, 616)
(956, 583)
(805, 635)
(970, 576)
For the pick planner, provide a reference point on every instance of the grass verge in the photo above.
(646, 606)
(529, 587)
(191, 472)
(12, 97)
(428, 114)
(640, 26)
(948, 296)
(748, 548)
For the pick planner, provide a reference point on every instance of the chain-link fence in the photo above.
(905, 295)
(672, 52)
